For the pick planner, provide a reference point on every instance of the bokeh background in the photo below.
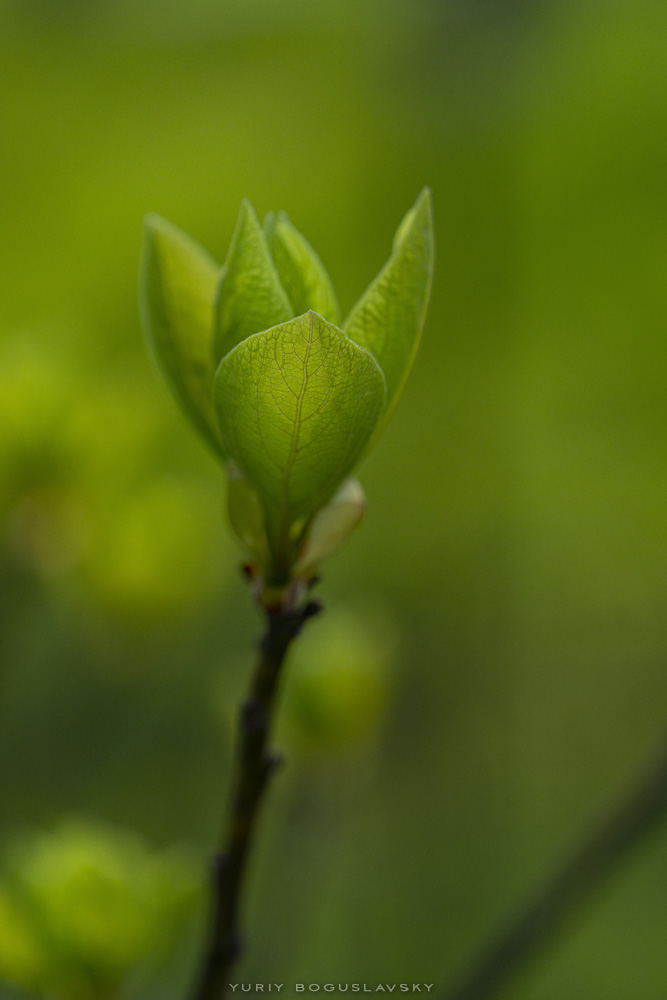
(492, 662)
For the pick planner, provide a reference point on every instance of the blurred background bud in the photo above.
(83, 907)
(339, 682)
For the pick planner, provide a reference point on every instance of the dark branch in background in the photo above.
(254, 765)
(533, 927)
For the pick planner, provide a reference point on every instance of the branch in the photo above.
(255, 764)
(533, 927)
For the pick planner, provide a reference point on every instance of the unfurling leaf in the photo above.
(297, 405)
(249, 297)
(389, 317)
(177, 285)
(302, 273)
(331, 526)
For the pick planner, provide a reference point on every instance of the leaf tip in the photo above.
(423, 207)
(269, 224)
(152, 221)
(247, 212)
(156, 226)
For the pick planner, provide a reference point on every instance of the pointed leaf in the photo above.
(177, 287)
(389, 317)
(250, 297)
(302, 273)
(296, 405)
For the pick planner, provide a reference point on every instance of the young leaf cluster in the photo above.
(288, 396)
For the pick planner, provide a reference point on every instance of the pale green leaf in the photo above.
(302, 273)
(296, 406)
(177, 287)
(332, 525)
(389, 317)
(250, 297)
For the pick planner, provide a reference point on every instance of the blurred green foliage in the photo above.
(81, 908)
(515, 532)
(339, 683)
(76, 496)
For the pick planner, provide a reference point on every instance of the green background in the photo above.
(512, 569)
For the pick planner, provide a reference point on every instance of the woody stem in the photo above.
(254, 766)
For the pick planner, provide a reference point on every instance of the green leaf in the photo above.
(302, 273)
(389, 317)
(297, 405)
(250, 297)
(176, 289)
(331, 526)
(246, 514)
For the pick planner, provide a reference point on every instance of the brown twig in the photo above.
(255, 764)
